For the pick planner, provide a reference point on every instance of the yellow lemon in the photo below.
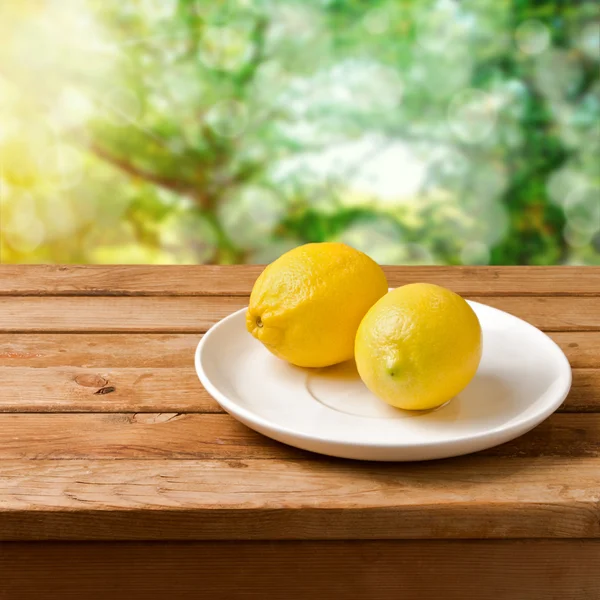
(418, 346)
(307, 305)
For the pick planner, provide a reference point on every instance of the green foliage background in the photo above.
(196, 131)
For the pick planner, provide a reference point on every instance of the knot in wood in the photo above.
(90, 380)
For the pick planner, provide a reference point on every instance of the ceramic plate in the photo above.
(522, 379)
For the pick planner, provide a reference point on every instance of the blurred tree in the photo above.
(229, 131)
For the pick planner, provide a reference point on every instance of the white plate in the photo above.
(523, 378)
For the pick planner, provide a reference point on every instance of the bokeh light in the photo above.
(377, 21)
(272, 250)
(121, 106)
(225, 48)
(475, 253)
(558, 73)
(59, 218)
(582, 208)
(589, 40)
(443, 26)
(381, 239)
(472, 115)
(563, 182)
(441, 70)
(188, 238)
(487, 182)
(297, 36)
(21, 226)
(378, 238)
(250, 214)
(577, 238)
(72, 109)
(228, 118)
(66, 165)
(532, 37)
(390, 172)
(159, 10)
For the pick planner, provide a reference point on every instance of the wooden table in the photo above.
(121, 477)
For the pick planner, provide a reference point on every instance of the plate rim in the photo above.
(519, 427)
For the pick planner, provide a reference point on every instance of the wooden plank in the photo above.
(238, 280)
(164, 314)
(585, 392)
(138, 435)
(200, 436)
(581, 348)
(134, 280)
(551, 314)
(303, 570)
(71, 389)
(470, 497)
(157, 314)
(160, 389)
(155, 350)
(174, 350)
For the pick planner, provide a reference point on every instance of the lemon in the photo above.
(418, 346)
(307, 305)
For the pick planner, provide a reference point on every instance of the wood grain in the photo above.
(72, 389)
(470, 497)
(157, 314)
(201, 436)
(582, 349)
(585, 392)
(154, 372)
(155, 350)
(150, 461)
(146, 350)
(551, 314)
(161, 389)
(238, 280)
(369, 570)
(187, 314)
(139, 435)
